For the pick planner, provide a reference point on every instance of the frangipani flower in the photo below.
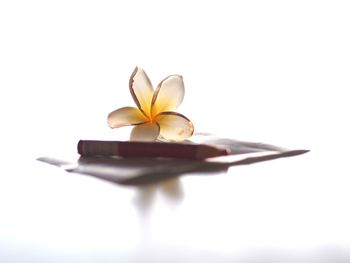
(154, 117)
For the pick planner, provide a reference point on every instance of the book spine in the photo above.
(97, 148)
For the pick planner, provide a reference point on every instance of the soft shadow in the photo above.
(152, 177)
(170, 190)
(142, 171)
(144, 198)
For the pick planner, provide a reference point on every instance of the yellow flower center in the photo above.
(151, 119)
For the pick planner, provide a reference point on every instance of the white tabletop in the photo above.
(270, 72)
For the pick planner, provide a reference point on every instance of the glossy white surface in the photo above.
(271, 72)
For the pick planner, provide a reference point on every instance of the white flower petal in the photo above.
(168, 95)
(145, 132)
(125, 116)
(141, 90)
(174, 126)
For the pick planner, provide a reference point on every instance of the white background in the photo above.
(272, 71)
(252, 69)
